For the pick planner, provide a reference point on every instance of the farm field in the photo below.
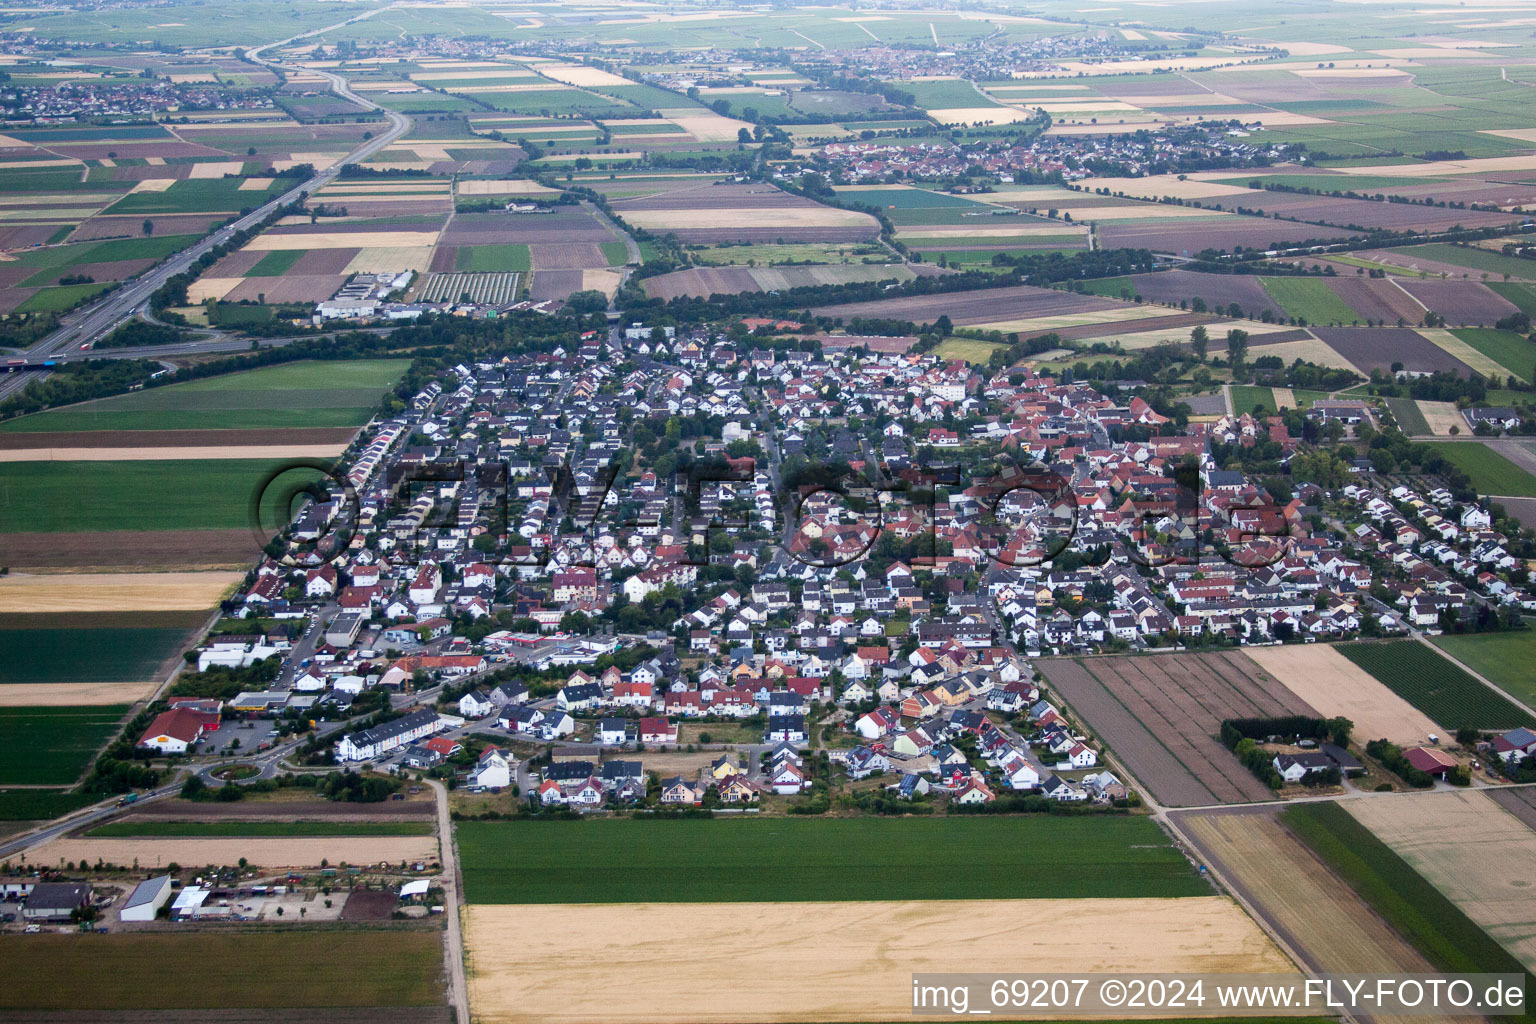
(1146, 708)
(68, 497)
(1309, 299)
(1491, 473)
(798, 860)
(1316, 913)
(1472, 258)
(1471, 849)
(1506, 348)
(1334, 685)
(340, 968)
(744, 213)
(52, 746)
(1410, 418)
(706, 281)
(854, 966)
(1509, 659)
(289, 395)
(1434, 685)
(137, 826)
(1439, 929)
(51, 649)
(969, 349)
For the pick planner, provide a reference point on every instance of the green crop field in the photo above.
(298, 394)
(1491, 472)
(1508, 349)
(1478, 260)
(200, 195)
(492, 258)
(616, 253)
(1410, 418)
(75, 655)
(1522, 295)
(1245, 397)
(1418, 911)
(1309, 299)
(804, 859)
(1437, 687)
(769, 253)
(316, 967)
(60, 298)
(154, 494)
(969, 349)
(41, 804)
(1509, 659)
(276, 263)
(53, 746)
(254, 829)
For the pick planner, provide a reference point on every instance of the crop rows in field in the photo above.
(492, 289)
(1434, 685)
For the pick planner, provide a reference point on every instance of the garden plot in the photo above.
(1160, 715)
(1334, 685)
(1478, 854)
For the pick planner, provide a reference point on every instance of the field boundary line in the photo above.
(1495, 687)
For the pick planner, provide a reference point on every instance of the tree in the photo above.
(1200, 340)
(743, 135)
(1237, 345)
(149, 227)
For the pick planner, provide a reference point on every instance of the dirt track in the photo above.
(767, 962)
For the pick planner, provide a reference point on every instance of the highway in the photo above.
(130, 299)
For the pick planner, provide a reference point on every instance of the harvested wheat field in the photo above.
(750, 217)
(1315, 914)
(1478, 854)
(342, 240)
(110, 592)
(855, 965)
(252, 451)
(478, 187)
(293, 852)
(1334, 685)
(71, 695)
(1442, 416)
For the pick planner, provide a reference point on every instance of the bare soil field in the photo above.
(68, 695)
(563, 225)
(149, 592)
(1461, 302)
(128, 548)
(1482, 857)
(1160, 715)
(555, 285)
(369, 905)
(1156, 319)
(984, 306)
(176, 438)
(566, 256)
(1519, 802)
(1315, 913)
(1376, 299)
(707, 281)
(154, 853)
(1179, 237)
(1334, 685)
(288, 288)
(1372, 348)
(1218, 290)
(854, 966)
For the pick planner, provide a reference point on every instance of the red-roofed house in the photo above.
(173, 732)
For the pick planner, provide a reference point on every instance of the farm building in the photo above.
(146, 899)
(1425, 759)
(55, 901)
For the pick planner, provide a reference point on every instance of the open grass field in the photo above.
(854, 964)
(1317, 914)
(137, 826)
(800, 860)
(1309, 299)
(969, 349)
(1437, 687)
(1421, 913)
(1522, 295)
(1334, 685)
(1509, 659)
(1248, 398)
(301, 968)
(1161, 715)
(1474, 851)
(52, 746)
(1491, 473)
(492, 258)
